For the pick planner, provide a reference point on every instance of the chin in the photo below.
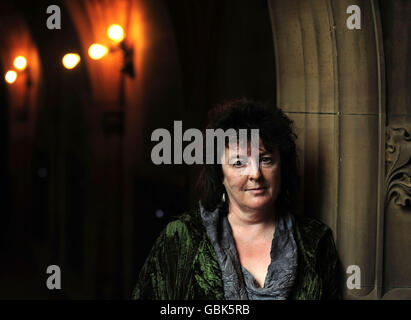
(259, 203)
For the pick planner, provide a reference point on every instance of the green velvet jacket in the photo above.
(182, 265)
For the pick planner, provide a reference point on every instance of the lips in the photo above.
(256, 189)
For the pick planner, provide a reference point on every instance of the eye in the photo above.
(239, 163)
(266, 160)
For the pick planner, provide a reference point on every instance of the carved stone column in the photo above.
(397, 217)
(330, 81)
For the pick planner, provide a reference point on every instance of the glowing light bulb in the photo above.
(20, 63)
(71, 60)
(97, 51)
(115, 32)
(10, 76)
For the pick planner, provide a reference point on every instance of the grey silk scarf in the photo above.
(239, 284)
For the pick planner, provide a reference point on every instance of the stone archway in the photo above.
(331, 82)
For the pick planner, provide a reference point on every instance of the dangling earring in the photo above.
(223, 197)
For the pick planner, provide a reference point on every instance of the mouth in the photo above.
(255, 190)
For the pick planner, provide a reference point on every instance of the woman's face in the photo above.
(252, 185)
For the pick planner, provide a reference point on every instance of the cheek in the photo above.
(277, 172)
(274, 176)
(233, 180)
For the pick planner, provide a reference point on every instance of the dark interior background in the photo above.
(223, 52)
(78, 193)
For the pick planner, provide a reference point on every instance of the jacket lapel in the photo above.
(308, 234)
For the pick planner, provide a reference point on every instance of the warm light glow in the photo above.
(20, 63)
(71, 60)
(97, 51)
(10, 76)
(115, 32)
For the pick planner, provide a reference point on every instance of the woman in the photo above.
(244, 241)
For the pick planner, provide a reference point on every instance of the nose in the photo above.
(253, 169)
(255, 175)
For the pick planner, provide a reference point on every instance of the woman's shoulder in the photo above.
(312, 232)
(185, 224)
(319, 254)
(311, 225)
(187, 218)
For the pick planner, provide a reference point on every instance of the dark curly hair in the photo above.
(275, 130)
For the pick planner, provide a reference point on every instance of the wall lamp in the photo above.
(71, 60)
(97, 51)
(113, 120)
(20, 64)
(21, 68)
(115, 32)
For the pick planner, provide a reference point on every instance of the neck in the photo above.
(251, 219)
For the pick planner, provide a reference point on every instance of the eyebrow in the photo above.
(238, 156)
